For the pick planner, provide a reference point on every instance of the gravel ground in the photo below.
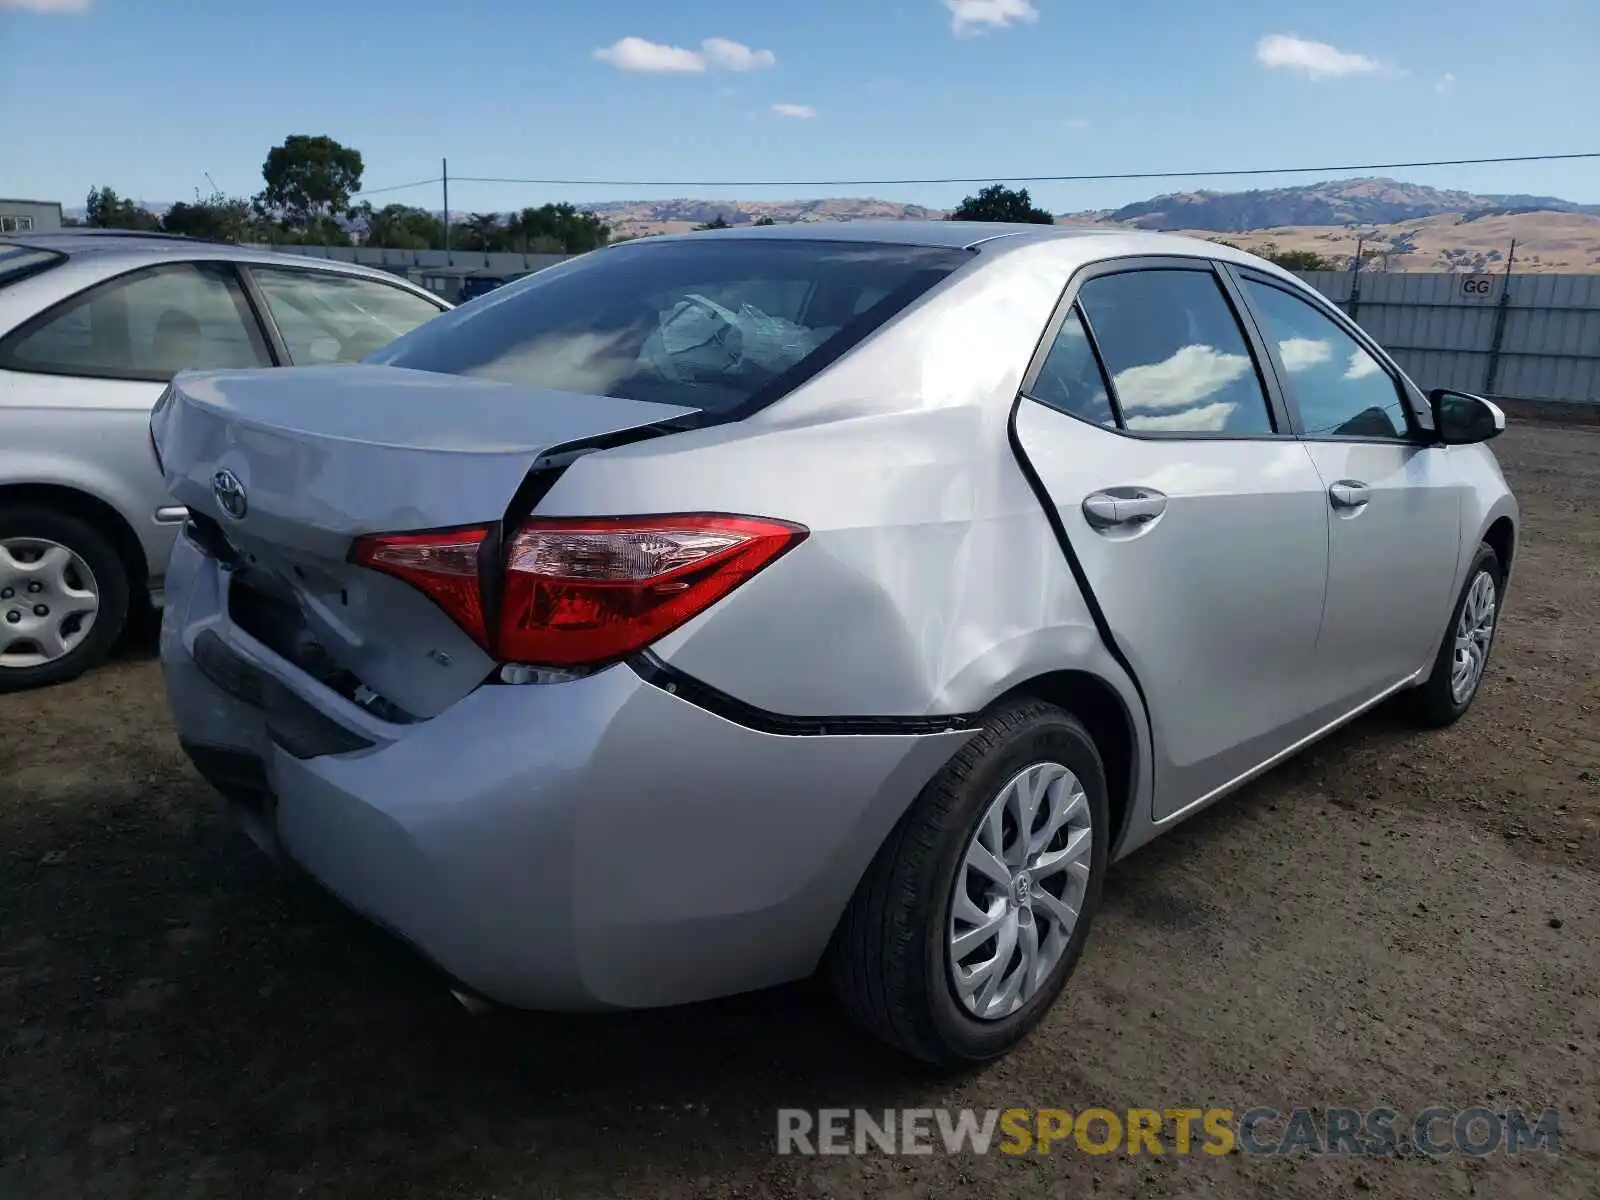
(1390, 919)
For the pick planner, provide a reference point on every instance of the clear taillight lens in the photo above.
(586, 591)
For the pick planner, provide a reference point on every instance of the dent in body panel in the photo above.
(927, 549)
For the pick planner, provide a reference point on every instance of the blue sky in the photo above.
(150, 95)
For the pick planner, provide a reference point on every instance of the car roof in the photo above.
(988, 237)
(105, 246)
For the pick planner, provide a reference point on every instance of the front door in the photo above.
(1198, 522)
(1393, 501)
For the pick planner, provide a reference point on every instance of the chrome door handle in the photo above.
(1349, 493)
(1117, 508)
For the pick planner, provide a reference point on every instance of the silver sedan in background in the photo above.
(708, 609)
(93, 324)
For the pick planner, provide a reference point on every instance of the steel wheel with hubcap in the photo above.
(965, 927)
(48, 602)
(63, 597)
(1020, 890)
(1463, 654)
(1474, 633)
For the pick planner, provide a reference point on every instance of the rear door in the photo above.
(1392, 497)
(1197, 521)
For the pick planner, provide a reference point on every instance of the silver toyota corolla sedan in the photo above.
(93, 324)
(709, 610)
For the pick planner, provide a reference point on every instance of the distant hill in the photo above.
(1338, 202)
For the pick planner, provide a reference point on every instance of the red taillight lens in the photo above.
(586, 591)
(442, 564)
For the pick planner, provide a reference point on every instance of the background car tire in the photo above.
(1433, 705)
(888, 963)
(111, 585)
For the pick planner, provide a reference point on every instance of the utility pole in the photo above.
(1502, 308)
(444, 177)
(1354, 306)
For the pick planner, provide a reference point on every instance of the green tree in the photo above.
(999, 203)
(400, 227)
(1299, 260)
(309, 183)
(558, 229)
(218, 217)
(717, 222)
(483, 232)
(765, 221)
(107, 210)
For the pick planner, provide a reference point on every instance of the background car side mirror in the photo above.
(1462, 419)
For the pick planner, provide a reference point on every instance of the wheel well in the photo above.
(1097, 704)
(1502, 540)
(93, 510)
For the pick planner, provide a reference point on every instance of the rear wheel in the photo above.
(975, 911)
(1464, 654)
(63, 597)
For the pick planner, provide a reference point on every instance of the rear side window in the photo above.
(1178, 360)
(149, 325)
(19, 262)
(328, 318)
(1070, 380)
(722, 325)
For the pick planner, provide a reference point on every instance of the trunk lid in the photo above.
(290, 466)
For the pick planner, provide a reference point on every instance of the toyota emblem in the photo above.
(225, 486)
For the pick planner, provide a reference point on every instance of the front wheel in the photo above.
(975, 911)
(1464, 654)
(63, 597)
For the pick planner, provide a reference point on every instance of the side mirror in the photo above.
(1462, 419)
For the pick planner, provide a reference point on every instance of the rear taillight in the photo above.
(585, 591)
(442, 564)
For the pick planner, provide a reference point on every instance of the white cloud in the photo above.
(1190, 379)
(720, 54)
(975, 16)
(47, 6)
(1361, 365)
(1213, 418)
(1301, 354)
(1318, 60)
(732, 56)
(1076, 123)
(1445, 84)
(800, 112)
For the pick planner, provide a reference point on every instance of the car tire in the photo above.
(1437, 702)
(890, 963)
(21, 525)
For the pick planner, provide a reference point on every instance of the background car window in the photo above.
(1340, 389)
(1070, 380)
(149, 325)
(710, 324)
(328, 318)
(1179, 362)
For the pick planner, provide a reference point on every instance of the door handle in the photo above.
(1119, 508)
(1349, 493)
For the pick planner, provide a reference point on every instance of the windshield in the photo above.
(18, 262)
(707, 323)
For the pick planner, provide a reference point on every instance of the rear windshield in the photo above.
(18, 262)
(722, 325)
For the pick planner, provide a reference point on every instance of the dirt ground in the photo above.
(1391, 919)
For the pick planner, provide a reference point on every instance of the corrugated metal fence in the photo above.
(1534, 337)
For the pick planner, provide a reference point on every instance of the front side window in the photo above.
(1178, 360)
(1340, 389)
(147, 325)
(711, 324)
(329, 318)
